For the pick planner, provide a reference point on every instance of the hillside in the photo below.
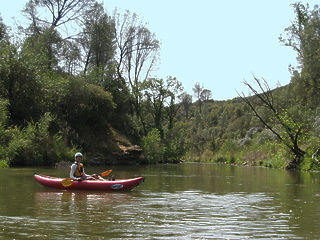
(93, 92)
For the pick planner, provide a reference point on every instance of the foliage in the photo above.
(154, 149)
(3, 164)
(4, 133)
(287, 127)
(98, 40)
(302, 37)
(18, 83)
(161, 101)
(176, 141)
(59, 92)
(137, 55)
(34, 145)
(31, 145)
(86, 104)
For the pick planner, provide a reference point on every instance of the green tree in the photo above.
(4, 133)
(3, 31)
(206, 95)
(161, 96)
(197, 90)
(186, 100)
(71, 57)
(20, 84)
(303, 37)
(153, 148)
(47, 46)
(86, 105)
(98, 38)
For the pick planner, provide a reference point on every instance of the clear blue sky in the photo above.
(216, 43)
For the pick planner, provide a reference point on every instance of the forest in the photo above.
(76, 79)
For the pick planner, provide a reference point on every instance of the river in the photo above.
(177, 201)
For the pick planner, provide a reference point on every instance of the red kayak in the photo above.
(97, 185)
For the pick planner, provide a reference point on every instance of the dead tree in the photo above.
(287, 129)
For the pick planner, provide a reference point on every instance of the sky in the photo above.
(218, 44)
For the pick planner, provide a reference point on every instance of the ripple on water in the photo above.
(154, 215)
(204, 215)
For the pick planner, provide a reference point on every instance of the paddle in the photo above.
(106, 173)
(67, 181)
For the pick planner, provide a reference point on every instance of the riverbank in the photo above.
(269, 154)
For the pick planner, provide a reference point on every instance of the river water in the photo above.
(183, 201)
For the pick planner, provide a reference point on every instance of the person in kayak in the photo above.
(77, 170)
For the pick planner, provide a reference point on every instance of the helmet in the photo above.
(78, 154)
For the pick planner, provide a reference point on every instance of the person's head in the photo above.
(78, 157)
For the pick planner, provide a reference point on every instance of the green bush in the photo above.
(153, 148)
(4, 164)
(34, 145)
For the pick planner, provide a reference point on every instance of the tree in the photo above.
(186, 100)
(71, 57)
(20, 84)
(153, 147)
(47, 46)
(161, 95)
(86, 104)
(137, 52)
(137, 48)
(303, 36)
(205, 95)
(98, 38)
(3, 31)
(48, 33)
(61, 12)
(286, 127)
(174, 90)
(197, 89)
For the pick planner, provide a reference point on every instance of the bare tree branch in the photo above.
(292, 130)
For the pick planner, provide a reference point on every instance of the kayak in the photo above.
(97, 185)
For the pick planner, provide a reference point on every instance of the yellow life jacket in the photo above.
(79, 171)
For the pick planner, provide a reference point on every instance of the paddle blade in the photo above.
(106, 173)
(66, 182)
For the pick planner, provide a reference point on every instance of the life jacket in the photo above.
(79, 171)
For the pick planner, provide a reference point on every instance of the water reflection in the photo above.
(61, 196)
(185, 201)
(75, 203)
(193, 214)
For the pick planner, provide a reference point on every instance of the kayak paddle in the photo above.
(67, 181)
(106, 173)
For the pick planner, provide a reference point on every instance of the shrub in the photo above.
(34, 145)
(4, 164)
(153, 148)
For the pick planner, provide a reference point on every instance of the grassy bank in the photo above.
(270, 154)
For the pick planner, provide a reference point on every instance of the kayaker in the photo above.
(77, 170)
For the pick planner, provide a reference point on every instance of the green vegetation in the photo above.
(92, 91)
